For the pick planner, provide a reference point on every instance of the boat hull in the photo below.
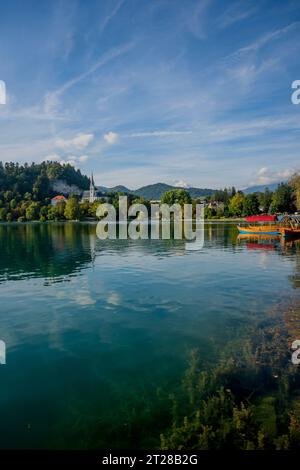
(259, 230)
(289, 232)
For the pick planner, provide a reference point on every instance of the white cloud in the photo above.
(181, 184)
(111, 137)
(83, 158)
(71, 159)
(52, 157)
(80, 141)
(159, 133)
(266, 175)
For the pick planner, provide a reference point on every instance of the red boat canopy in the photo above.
(261, 218)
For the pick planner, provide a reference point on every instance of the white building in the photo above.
(93, 194)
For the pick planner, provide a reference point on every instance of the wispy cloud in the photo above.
(107, 19)
(255, 127)
(234, 13)
(166, 88)
(196, 18)
(80, 141)
(165, 133)
(262, 41)
(52, 99)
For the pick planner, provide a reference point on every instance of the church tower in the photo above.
(93, 196)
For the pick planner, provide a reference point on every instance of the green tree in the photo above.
(72, 210)
(3, 213)
(282, 199)
(251, 205)
(295, 185)
(176, 196)
(43, 213)
(41, 187)
(32, 212)
(265, 200)
(236, 204)
(53, 213)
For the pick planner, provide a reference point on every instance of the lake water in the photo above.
(98, 332)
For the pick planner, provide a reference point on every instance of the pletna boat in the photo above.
(290, 226)
(265, 225)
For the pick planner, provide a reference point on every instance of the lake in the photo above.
(98, 332)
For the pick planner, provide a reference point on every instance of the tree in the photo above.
(72, 210)
(41, 187)
(3, 213)
(43, 213)
(176, 196)
(282, 199)
(295, 185)
(251, 204)
(265, 200)
(32, 212)
(236, 204)
(53, 213)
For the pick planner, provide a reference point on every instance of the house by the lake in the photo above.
(57, 200)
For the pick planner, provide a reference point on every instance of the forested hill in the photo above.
(155, 191)
(36, 178)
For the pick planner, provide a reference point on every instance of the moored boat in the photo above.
(265, 225)
(289, 232)
(290, 226)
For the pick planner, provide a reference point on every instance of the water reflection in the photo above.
(43, 250)
(118, 325)
(59, 249)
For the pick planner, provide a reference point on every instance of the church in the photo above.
(93, 194)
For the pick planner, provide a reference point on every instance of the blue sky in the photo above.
(142, 91)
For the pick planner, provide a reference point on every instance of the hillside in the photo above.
(155, 191)
(260, 188)
(39, 179)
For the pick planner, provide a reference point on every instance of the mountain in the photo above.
(200, 192)
(260, 188)
(120, 189)
(155, 191)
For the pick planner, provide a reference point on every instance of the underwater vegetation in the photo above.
(249, 401)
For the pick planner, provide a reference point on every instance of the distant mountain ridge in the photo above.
(155, 191)
(261, 188)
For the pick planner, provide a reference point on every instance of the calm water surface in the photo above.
(98, 332)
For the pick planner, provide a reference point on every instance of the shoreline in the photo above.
(48, 222)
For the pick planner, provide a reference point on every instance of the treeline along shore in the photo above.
(27, 192)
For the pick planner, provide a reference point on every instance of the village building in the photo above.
(93, 194)
(58, 200)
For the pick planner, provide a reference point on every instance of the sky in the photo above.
(186, 92)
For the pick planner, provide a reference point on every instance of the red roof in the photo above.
(58, 198)
(261, 218)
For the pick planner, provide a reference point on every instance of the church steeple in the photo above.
(93, 196)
